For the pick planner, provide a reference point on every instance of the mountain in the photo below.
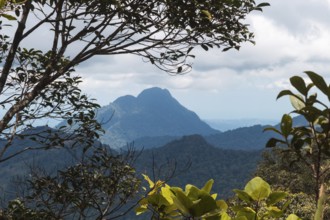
(247, 138)
(154, 112)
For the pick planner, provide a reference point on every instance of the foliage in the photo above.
(309, 142)
(167, 202)
(96, 188)
(277, 168)
(10, 6)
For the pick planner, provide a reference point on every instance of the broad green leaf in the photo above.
(299, 84)
(286, 125)
(225, 216)
(247, 212)
(257, 189)
(275, 197)
(204, 205)
(167, 194)
(222, 205)
(296, 102)
(274, 212)
(283, 93)
(192, 192)
(273, 142)
(319, 82)
(293, 217)
(243, 195)
(181, 200)
(208, 186)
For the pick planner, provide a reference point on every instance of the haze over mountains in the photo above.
(153, 113)
(159, 124)
(154, 118)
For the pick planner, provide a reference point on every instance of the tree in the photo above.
(98, 187)
(38, 82)
(309, 142)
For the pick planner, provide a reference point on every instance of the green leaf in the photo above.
(299, 84)
(167, 194)
(283, 93)
(286, 125)
(181, 200)
(222, 205)
(275, 197)
(247, 213)
(141, 209)
(204, 205)
(151, 183)
(272, 129)
(225, 216)
(297, 102)
(264, 4)
(192, 192)
(319, 82)
(274, 212)
(207, 14)
(9, 17)
(257, 189)
(293, 217)
(243, 195)
(273, 142)
(204, 47)
(208, 186)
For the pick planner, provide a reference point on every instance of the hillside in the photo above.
(247, 138)
(229, 168)
(154, 112)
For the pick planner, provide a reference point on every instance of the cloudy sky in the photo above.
(291, 37)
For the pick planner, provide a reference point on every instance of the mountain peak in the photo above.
(154, 112)
(154, 93)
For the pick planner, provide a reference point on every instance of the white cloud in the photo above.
(291, 37)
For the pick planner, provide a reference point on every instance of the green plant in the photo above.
(258, 201)
(310, 141)
(166, 202)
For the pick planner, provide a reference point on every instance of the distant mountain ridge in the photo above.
(154, 112)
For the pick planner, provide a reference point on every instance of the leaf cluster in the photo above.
(167, 202)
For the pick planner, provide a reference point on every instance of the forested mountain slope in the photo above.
(229, 168)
